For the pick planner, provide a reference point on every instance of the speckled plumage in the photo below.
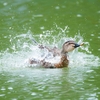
(67, 47)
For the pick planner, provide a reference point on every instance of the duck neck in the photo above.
(64, 59)
(63, 53)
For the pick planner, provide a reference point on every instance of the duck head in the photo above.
(70, 46)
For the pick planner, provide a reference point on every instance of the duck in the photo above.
(68, 46)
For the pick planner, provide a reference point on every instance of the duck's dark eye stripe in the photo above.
(71, 43)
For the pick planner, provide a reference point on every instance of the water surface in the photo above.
(50, 22)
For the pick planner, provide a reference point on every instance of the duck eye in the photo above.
(71, 44)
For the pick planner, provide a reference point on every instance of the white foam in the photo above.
(23, 48)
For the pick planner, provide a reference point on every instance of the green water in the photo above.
(74, 83)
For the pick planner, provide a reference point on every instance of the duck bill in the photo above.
(78, 45)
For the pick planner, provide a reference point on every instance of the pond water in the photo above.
(49, 22)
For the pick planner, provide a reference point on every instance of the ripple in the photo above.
(14, 99)
(10, 88)
(89, 71)
(10, 81)
(98, 93)
(39, 15)
(3, 88)
(99, 37)
(33, 93)
(22, 75)
(1, 95)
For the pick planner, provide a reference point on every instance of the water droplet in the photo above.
(57, 7)
(63, 6)
(99, 37)
(79, 15)
(5, 4)
(98, 12)
(98, 49)
(42, 27)
(92, 34)
(10, 27)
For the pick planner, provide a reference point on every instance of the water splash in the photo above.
(23, 47)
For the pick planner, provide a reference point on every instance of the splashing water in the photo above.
(23, 47)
